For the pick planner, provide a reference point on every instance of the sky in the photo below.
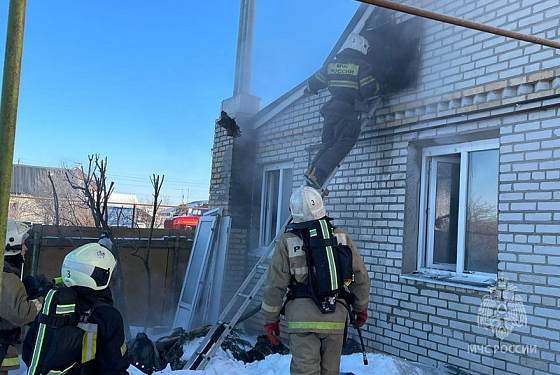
(141, 82)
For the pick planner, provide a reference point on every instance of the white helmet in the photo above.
(90, 265)
(16, 234)
(357, 42)
(306, 204)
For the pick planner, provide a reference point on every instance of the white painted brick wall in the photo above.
(425, 322)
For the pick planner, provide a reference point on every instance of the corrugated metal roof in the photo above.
(33, 180)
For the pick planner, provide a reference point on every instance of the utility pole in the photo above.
(8, 111)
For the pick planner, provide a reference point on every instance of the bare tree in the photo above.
(55, 201)
(95, 194)
(21, 208)
(163, 201)
(52, 201)
(157, 183)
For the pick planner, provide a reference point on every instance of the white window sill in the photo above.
(466, 282)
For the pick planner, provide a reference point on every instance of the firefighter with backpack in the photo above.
(78, 330)
(16, 308)
(323, 272)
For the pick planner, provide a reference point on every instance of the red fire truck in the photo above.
(190, 220)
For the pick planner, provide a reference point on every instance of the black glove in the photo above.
(36, 286)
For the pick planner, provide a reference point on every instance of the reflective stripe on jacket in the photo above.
(289, 261)
(348, 77)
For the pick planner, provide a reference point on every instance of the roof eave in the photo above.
(271, 110)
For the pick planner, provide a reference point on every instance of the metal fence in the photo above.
(169, 256)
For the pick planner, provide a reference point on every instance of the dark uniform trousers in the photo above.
(338, 138)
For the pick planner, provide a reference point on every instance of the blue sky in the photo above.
(141, 82)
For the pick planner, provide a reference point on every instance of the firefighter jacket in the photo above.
(15, 311)
(104, 352)
(349, 79)
(302, 314)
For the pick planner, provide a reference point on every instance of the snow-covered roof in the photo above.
(117, 198)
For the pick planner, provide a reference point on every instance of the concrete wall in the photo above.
(471, 86)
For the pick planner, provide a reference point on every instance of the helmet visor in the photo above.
(79, 267)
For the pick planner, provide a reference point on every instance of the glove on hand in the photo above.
(36, 286)
(38, 304)
(360, 318)
(272, 330)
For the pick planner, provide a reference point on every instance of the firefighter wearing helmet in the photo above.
(15, 309)
(325, 277)
(86, 273)
(349, 79)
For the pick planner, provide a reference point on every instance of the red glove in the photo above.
(272, 330)
(360, 318)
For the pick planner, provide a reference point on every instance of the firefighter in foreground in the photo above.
(349, 79)
(78, 330)
(323, 271)
(15, 308)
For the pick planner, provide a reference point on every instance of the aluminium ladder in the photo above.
(245, 294)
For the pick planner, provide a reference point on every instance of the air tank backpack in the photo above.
(64, 338)
(329, 266)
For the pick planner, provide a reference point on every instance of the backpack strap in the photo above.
(38, 345)
(56, 321)
(89, 344)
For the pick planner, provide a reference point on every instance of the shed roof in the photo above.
(32, 180)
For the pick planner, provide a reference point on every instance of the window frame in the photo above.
(281, 167)
(427, 194)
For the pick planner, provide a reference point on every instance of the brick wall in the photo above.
(230, 189)
(471, 86)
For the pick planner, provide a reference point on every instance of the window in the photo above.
(458, 231)
(275, 198)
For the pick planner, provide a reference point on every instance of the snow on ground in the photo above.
(224, 364)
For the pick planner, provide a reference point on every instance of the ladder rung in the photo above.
(243, 295)
(261, 267)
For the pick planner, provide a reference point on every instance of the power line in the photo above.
(171, 180)
(126, 176)
(81, 202)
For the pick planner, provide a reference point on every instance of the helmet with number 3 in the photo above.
(306, 204)
(90, 266)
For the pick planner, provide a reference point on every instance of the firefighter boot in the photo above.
(311, 179)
